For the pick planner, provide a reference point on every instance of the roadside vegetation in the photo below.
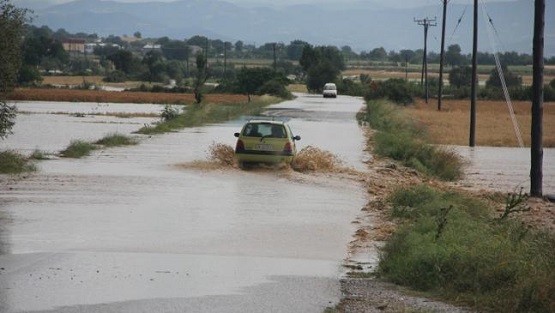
(454, 245)
(450, 246)
(14, 163)
(115, 140)
(79, 148)
(399, 138)
(198, 115)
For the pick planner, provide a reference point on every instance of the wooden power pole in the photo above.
(474, 86)
(536, 175)
(426, 22)
(442, 56)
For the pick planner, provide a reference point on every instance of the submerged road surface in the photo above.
(126, 230)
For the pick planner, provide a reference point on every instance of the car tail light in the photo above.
(287, 148)
(240, 146)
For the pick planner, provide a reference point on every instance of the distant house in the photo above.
(151, 47)
(74, 45)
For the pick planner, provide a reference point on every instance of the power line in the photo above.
(426, 23)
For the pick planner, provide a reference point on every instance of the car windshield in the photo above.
(264, 130)
(329, 87)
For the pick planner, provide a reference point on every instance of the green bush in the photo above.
(12, 162)
(78, 149)
(395, 89)
(276, 88)
(114, 140)
(497, 266)
(115, 77)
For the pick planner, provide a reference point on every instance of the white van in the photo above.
(330, 90)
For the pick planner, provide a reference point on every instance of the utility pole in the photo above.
(225, 59)
(407, 68)
(536, 176)
(426, 22)
(442, 56)
(474, 84)
(275, 60)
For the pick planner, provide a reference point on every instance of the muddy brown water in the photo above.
(125, 228)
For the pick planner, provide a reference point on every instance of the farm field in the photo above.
(494, 127)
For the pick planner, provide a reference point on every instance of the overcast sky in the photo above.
(382, 3)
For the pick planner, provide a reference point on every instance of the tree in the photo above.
(460, 76)
(12, 21)
(122, 60)
(294, 50)
(250, 80)
(378, 54)
(322, 65)
(155, 66)
(137, 35)
(176, 50)
(453, 56)
(239, 46)
(511, 79)
(201, 77)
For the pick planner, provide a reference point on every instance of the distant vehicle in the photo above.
(263, 141)
(330, 90)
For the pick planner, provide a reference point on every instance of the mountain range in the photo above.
(360, 25)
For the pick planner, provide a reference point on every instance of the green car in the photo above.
(262, 141)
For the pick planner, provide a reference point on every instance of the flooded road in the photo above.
(126, 230)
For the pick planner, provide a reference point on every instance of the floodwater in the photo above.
(126, 230)
(505, 169)
(51, 126)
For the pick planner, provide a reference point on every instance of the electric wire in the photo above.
(492, 41)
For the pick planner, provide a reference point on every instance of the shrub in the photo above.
(38, 155)
(276, 88)
(460, 76)
(12, 162)
(511, 79)
(115, 77)
(451, 246)
(78, 149)
(395, 89)
(169, 113)
(114, 140)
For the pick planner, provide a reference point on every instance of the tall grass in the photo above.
(401, 139)
(12, 162)
(115, 139)
(461, 253)
(198, 115)
(78, 149)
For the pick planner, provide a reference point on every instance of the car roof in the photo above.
(266, 122)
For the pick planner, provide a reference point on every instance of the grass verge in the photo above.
(115, 139)
(78, 149)
(14, 163)
(399, 138)
(198, 115)
(451, 247)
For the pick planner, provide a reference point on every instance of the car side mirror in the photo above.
(297, 137)
(236, 135)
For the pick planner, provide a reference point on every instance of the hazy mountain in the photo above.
(361, 25)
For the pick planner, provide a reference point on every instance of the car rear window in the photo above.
(264, 129)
